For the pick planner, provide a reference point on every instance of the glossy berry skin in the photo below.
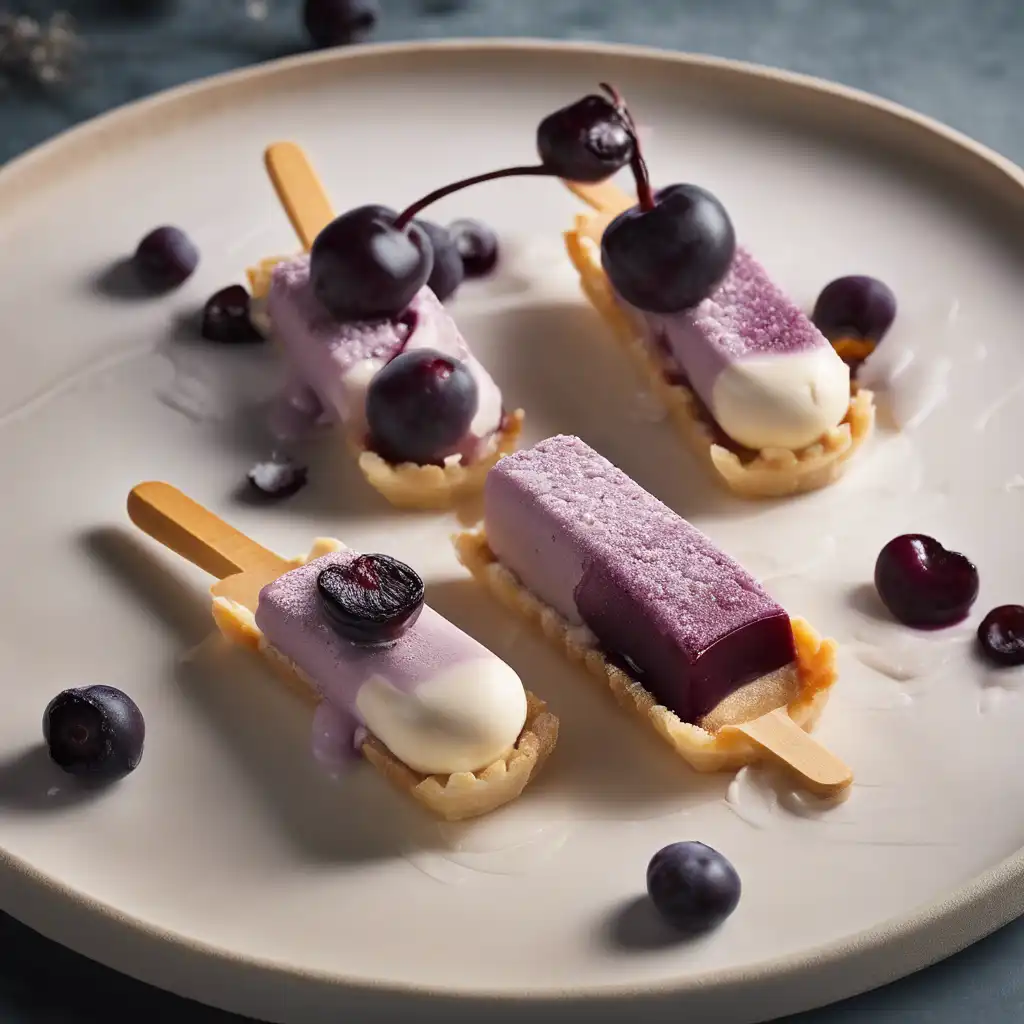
(165, 258)
(363, 268)
(693, 887)
(476, 244)
(586, 141)
(923, 584)
(339, 22)
(372, 600)
(1001, 635)
(94, 731)
(226, 317)
(420, 406)
(448, 272)
(855, 307)
(671, 257)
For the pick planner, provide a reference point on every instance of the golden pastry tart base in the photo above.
(452, 797)
(703, 750)
(408, 484)
(770, 473)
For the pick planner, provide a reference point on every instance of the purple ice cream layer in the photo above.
(335, 362)
(747, 316)
(604, 553)
(290, 617)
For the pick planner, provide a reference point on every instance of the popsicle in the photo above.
(755, 388)
(333, 366)
(684, 636)
(434, 711)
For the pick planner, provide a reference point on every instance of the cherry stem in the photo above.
(538, 171)
(637, 164)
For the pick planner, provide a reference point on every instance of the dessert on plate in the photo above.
(369, 345)
(435, 712)
(683, 635)
(756, 389)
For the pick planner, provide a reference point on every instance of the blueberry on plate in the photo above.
(476, 244)
(94, 731)
(693, 887)
(165, 258)
(448, 271)
(277, 478)
(226, 317)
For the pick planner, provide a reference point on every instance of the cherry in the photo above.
(420, 406)
(1001, 635)
(371, 600)
(364, 267)
(856, 306)
(165, 258)
(671, 251)
(588, 141)
(923, 584)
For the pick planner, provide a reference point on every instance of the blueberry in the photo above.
(364, 268)
(923, 584)
(447, 272)
(371, 600)
(277, 478)
(420, 406)
(1001, 635)
(477, 244)
(226, 317)
(94, 731)
(692, 886)
(165, 258)
(857, 306)
(340, 22)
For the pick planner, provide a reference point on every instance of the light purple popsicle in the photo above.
(766, 373)
(604, 553)
(438, 699)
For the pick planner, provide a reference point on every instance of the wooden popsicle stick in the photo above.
(603, 196)
(820, 771)
(242, 566)
(299, 189)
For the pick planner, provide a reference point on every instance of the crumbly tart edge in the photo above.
(773, 472)
(704, 751)
(407, 484)
(453, 797)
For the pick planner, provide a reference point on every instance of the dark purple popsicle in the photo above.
(607, 555)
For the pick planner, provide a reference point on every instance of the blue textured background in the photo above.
(959, 60)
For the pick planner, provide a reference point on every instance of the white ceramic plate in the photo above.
(227, 867)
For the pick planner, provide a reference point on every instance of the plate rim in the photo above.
(980, 906)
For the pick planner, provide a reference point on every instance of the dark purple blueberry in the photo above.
(363, 268)
(94, 731)
(226, 317)
(340, 22)
(420, 406)
(855, 307)
(692, 886)
(1001, 635)
(371, 600)
(447, 273)
(669, 258)
(589, 140)
(165, 258)
(477, 245)
(923, 584)
(277, 478)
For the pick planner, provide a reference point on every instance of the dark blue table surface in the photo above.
(961, 61)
